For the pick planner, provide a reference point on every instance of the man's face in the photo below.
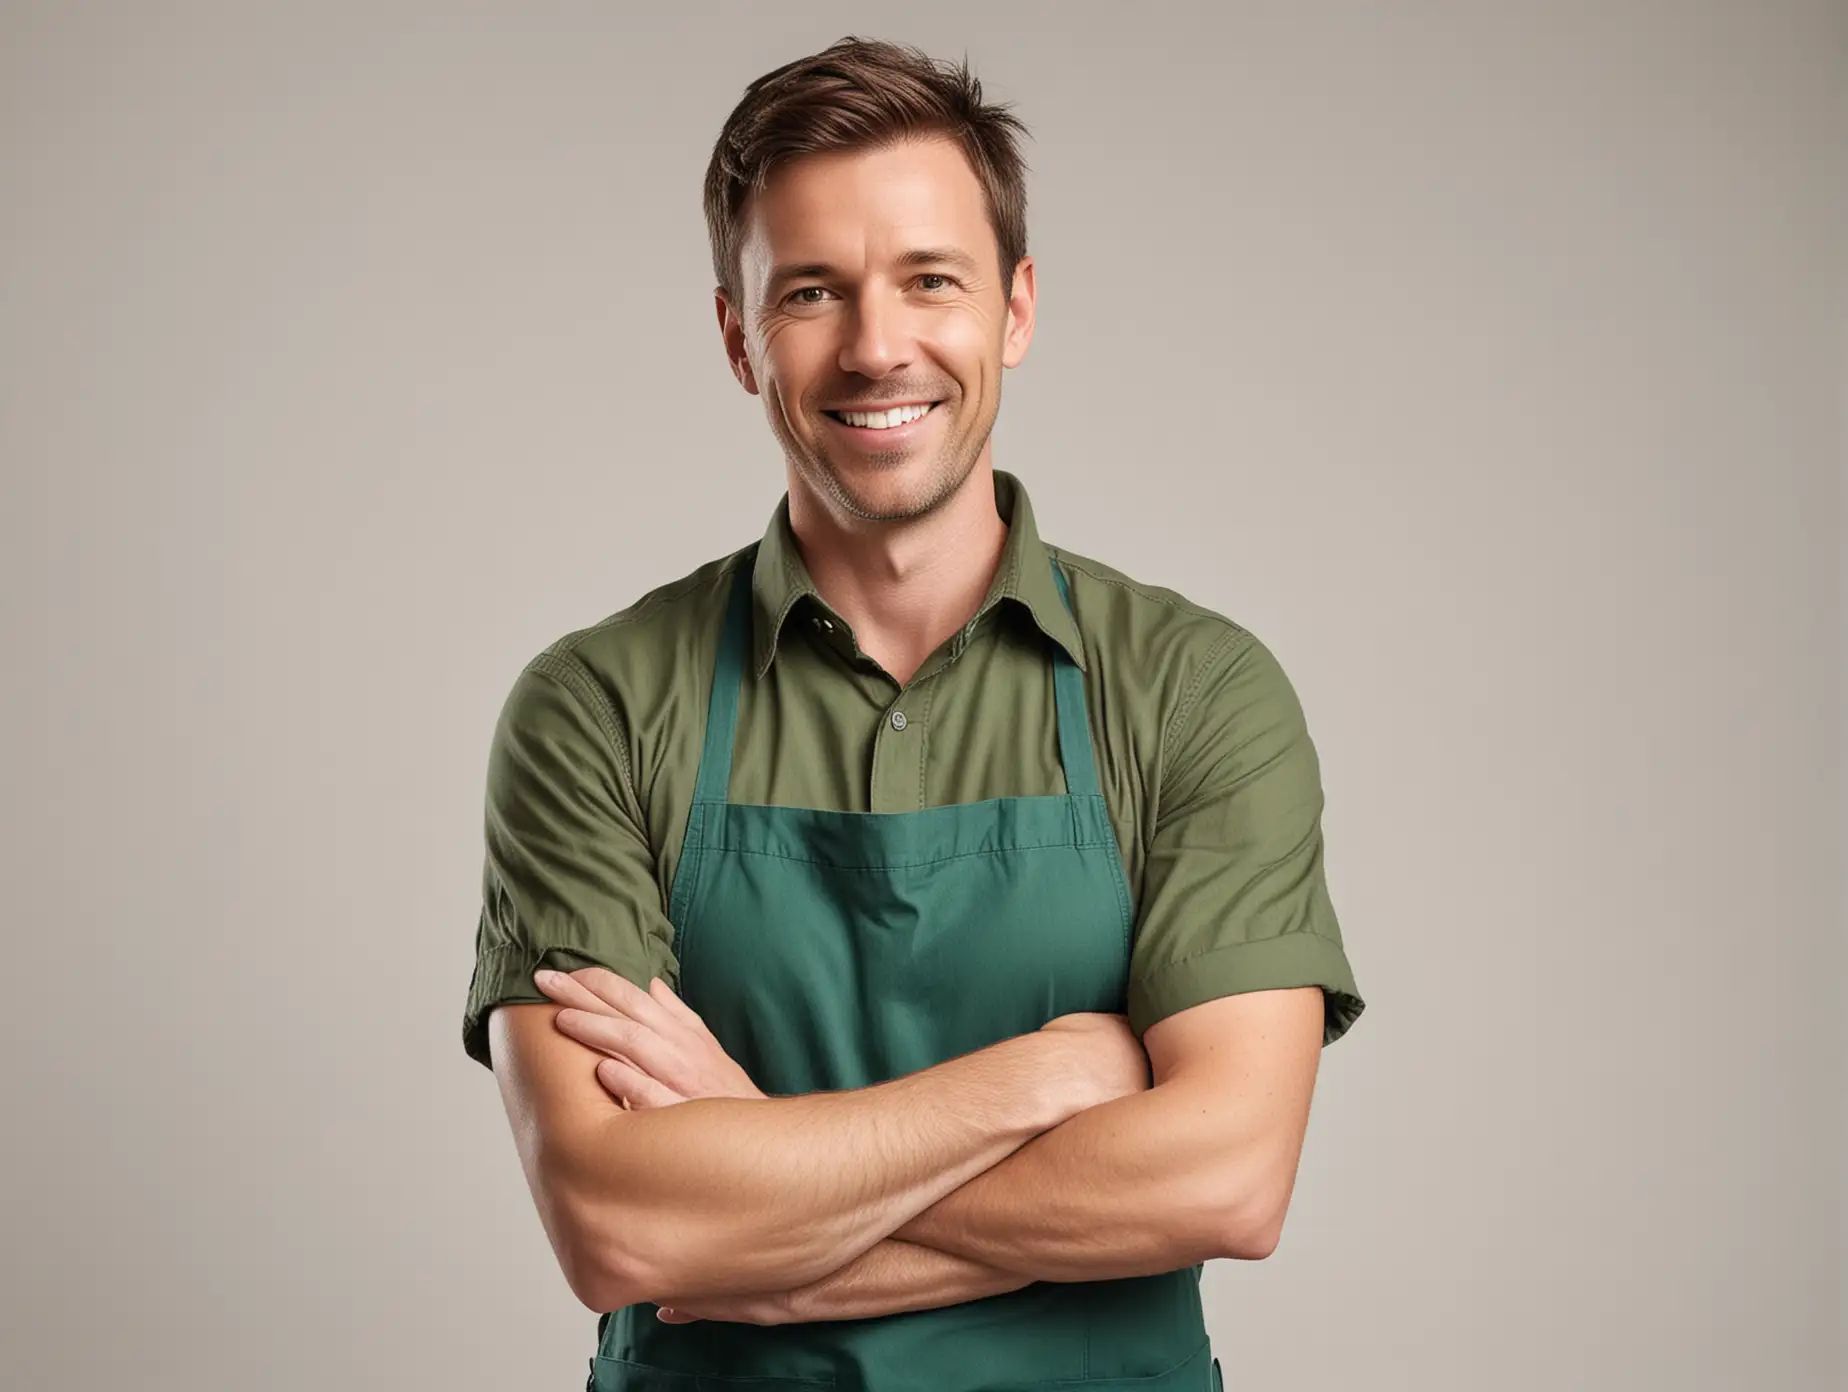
(870, 281)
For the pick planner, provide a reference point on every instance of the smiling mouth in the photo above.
(884, 420)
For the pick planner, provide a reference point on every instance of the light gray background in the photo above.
(1486, 360)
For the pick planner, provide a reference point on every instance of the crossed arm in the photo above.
(975, 1177)
(1199, 1166)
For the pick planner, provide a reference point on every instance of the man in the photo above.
(911, 940)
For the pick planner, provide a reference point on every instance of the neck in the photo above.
(904, 586)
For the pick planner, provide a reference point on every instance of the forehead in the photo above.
(856, 207)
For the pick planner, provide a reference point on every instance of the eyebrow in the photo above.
(917, 256)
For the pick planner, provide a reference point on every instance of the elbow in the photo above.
(1254, 1229)
(607, 1277)
(1251, 1209)
(602, 1276)
(595, 1289)
(1256, 1194)
(623, 1264)
(604, 1251)
(603, 1290)
(619, 1251)
(1255, 1243)
(621, 1256)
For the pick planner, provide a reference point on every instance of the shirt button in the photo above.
(898, 720)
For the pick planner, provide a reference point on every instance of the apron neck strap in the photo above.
(715, 760)
(1068, 693)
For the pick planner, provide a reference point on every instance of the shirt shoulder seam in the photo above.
(719, 570)
(569, 671)
(1141, 591)
(1233, 632)
(1183, 711)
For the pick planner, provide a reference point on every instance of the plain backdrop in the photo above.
(1486, 361)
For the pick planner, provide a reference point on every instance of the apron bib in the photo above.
(830, 950)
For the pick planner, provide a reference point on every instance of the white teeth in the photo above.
(882, 420)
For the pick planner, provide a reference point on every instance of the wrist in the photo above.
(1063, 1089)
(796, 1306)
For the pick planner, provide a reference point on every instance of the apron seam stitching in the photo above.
(908, 864)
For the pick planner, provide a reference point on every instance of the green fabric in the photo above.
(833, 949)
(1212, 785)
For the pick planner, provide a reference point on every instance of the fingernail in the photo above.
(545, 978)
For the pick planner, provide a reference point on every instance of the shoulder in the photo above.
(642, 650)
(618, 683)
(1151, 639)
(1120, 603)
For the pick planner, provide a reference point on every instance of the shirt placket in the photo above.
(900, 739)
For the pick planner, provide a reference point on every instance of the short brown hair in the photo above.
(861, 94)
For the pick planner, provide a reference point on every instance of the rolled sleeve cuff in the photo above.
(1292, 959)
(504, 976)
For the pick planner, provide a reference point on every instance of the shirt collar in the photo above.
(779, 579)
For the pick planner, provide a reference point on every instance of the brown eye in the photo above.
(932, 275)
(797, 296)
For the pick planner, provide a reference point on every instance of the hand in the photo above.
(1112, 1062)
(773, 1307)
(660, 1051)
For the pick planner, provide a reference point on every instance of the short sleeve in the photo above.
(569, 877)
(1234, 896)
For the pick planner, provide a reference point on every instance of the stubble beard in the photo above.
(948, 472)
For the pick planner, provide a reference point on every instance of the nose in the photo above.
(877, 336)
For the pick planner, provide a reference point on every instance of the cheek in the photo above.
(793, 361)
(971, 346)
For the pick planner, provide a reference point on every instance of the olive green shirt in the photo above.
(1205, 762)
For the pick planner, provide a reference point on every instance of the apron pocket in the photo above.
(621, 1375)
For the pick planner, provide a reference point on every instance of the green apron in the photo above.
(831, 950)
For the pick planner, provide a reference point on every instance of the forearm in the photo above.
(719, 1196)
(1130, 1188)
(894, 1276)
(1052, 1210)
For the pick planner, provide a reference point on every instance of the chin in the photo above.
(892, 492)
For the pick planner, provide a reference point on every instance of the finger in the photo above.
(622, 1081)
(606, 1033)
(566, 989)
(625, 1059)
(627, 1083)
(668, 997)
(574, 989)
(624, 994)
(646, 1050)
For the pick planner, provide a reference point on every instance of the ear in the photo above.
(731, 330)
(1020, 305)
